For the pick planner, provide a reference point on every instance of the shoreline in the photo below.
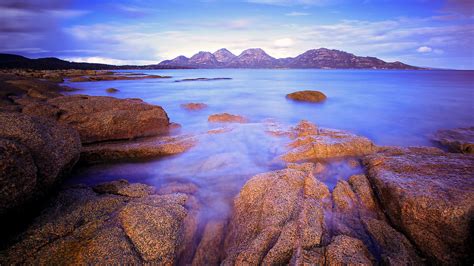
(360, 210)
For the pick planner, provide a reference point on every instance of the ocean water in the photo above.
(400, 108)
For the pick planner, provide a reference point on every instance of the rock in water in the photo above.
(310, 142)
(456, 140)
(194, 106)
(429, 195)
(99, 118)
(274, 214)
(227, 118)
(307, 96)
(35, 154)
(111, 90)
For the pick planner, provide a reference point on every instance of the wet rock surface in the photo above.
(456, 140)
(35, 154)
(429, 195)
(307, 96)
(143, 148)
(194, 106)
(226, 118)
(311, 142)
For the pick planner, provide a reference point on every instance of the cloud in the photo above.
(297, 14)
(284, 43)
(424, 49)
(109, 61)
(292, 2)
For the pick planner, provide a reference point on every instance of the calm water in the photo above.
(390, 107)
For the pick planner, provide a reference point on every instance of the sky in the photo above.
(431, 33)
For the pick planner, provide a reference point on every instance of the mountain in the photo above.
(17, 61)
(224, 56)
(258, 58)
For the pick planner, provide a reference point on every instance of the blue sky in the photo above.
(435, 33)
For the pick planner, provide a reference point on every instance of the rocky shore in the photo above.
(407, 206)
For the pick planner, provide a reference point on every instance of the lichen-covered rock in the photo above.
(144, 148)
(275, 213)
(310, 142)
(209, 250)
(429, 195)
(83, 227)
(307, 96)
(47, 149)
(456, 140)
(99, 118)
(226, 118)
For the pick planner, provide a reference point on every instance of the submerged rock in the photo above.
(83, 227)
(456, 140)
(194, 106)
(429, 195)
(111, 90)
(310, 142)
(307, 96)
(35, 154)
(227, 118)
(144, 148)
(99, 118)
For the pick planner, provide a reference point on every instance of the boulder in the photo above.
(456, 140)
(428, 195)
(36, 154)
(194, 106)
(99, 118)
(307, 96)
(310, 142)
(226, 118)
(144, 148)
(111, 90)
(84, 227)
(209, 250)
(274, 214)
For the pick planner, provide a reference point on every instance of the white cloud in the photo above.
(109, 61)
(297, 14)
(284, 43)
(424, 49)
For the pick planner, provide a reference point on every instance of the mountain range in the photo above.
(321, 58)
(258, 58)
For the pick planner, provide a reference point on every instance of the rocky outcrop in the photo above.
(98, 118)
(456, 140)
(115, 76)
(35, 154)
(274, 214)
(194, 106)
(110, 226)
(307, 96)
(143, 148)
(201, 79)
(429, 195)
(111, 90)
(226, 118)
(310, 142)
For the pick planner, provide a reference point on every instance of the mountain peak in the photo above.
(223, 55)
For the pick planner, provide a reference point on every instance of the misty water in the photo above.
(400, 108)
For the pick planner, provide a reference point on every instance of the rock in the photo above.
(111, 90)
(209, 250)
(35, 88)
(274, 214)
(429, 195)
(115, 76)
(99, 118)
(123, 188)
(41, 144)
(394, 247)
(309, 142)
(144, 148)
(226, 118)
(41, 109)
(362, 188)
(219, 130)
(345, 250)
(175, 187)
(307, 96)
(194, 106)
(82, 227)
(17, 174)
(456, 140)
(201, 79)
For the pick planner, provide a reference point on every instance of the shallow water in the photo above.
(390, 107)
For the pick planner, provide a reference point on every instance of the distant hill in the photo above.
(258, 58)
(321, 58)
